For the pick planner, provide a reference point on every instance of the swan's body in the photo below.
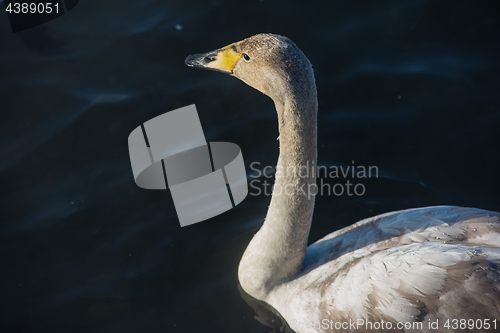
(417, 265)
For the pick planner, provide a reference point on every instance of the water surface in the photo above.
(410, 87)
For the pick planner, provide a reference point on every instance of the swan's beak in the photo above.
(221, 60)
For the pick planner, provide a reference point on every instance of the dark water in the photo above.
(411, 87)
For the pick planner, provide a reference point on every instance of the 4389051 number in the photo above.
(471, 324)
(25, 8)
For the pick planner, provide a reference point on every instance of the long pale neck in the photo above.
(277, 251)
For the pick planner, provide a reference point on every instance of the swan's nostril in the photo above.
(209, 59)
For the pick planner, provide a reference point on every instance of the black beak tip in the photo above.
(202, 60)
(190, 60)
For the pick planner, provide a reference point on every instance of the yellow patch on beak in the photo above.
(226, 59)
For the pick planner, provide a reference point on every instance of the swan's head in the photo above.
(269, 63)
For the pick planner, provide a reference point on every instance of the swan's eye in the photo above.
(246, 57)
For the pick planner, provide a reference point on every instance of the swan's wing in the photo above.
(441, 223)
(415, 265)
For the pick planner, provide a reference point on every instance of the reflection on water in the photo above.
(410, 87)
(266, 314)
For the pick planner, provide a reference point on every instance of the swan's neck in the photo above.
(277, 251)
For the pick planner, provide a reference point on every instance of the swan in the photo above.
(417, 270)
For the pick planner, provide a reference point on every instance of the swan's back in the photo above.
(417, 265)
